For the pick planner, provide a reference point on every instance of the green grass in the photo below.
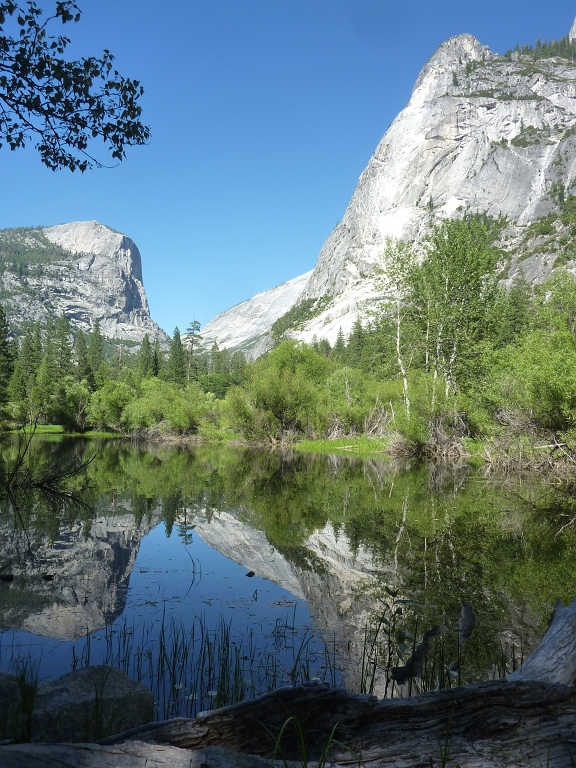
(360, 446)
(57, 429)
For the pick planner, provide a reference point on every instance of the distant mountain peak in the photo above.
(91, 272)
(482, 133)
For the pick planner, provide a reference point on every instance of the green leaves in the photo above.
(62, 105)
(451, 293)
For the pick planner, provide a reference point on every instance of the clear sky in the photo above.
(263, 115)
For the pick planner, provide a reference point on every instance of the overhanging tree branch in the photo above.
(62, 105)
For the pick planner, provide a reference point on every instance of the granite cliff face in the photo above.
(83, 269)
(244, 325)
(481, 133)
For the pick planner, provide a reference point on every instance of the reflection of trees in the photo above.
(449, 535)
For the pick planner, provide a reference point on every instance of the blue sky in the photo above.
(263, 115)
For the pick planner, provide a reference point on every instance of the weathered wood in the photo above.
(525, 721)
(554, 660)
(131, 754)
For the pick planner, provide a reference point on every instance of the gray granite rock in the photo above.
(98, 276)
(480, 133)
(9, 704)
(88, 704)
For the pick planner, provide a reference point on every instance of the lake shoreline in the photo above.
(522, 453)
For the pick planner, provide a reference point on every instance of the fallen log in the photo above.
(527, 720)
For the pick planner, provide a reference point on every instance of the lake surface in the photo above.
(216, 573)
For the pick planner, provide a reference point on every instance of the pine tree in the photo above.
(176, 364)
(83, 370)
(6, 361)
(193, 340)
(50, 357)
(145, 359)
(157, 358)
(18, 392)
(355, 344)
(30, 355)
(324, 347)
(63, 347)
(95, 347)
(339, 348)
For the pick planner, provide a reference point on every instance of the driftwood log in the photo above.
(525, 721)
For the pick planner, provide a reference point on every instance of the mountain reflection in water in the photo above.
(368, 545)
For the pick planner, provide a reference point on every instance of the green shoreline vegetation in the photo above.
(454, 367)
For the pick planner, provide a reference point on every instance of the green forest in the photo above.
(454, 365)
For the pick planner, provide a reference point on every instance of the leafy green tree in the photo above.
(281, 396)
(107, 405)
(176, 363)
(166, 404)
(452, 293)
(62, 105)
(71, 403)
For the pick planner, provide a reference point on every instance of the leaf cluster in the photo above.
(62, 105)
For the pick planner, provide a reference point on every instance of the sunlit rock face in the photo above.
(98, 276)
(71, 586)
(481, 133)
(245, 325)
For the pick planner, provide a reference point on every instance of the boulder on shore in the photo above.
(83, 705)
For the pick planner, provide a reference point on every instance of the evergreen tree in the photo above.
(6, 361)
(157, 358)
(63, 347)
(355, 345)
(176, 363)
(30, 355)
(145, 365)
(83, 370)
(339, 348)
(96, 347)
(324, 347)
(50, 356)
(18, 392)
(218, 360)
(514, 315)
(193, 339)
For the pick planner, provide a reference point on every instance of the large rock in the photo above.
(88, 704)
(243, 326)
(481, 132)
(9, 705)
(94, 272)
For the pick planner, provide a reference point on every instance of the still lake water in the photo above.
(216, 573)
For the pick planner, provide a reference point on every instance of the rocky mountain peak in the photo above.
(82, 269)
(572, 33)
(481, 133)
(436, 75)
(94, 240)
